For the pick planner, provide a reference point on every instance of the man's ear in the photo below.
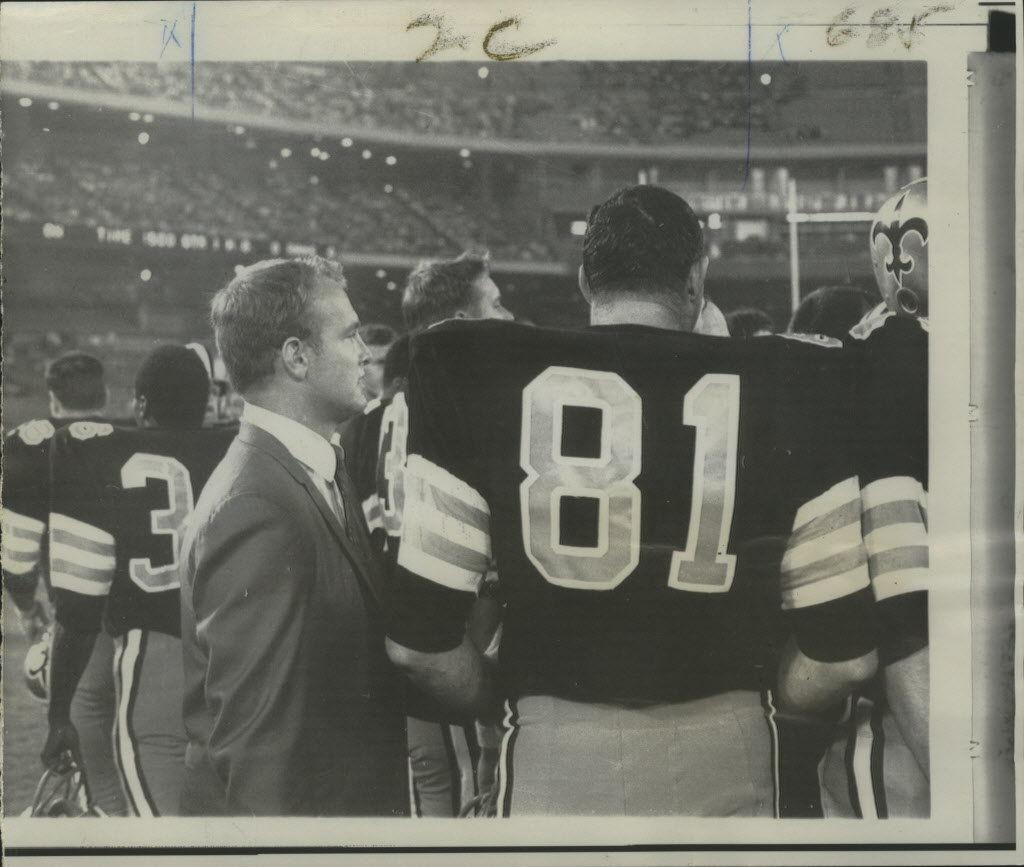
(139, 409)
(695, 281)
(583, 283)
(295, 358)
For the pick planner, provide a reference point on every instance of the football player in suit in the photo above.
(291, 705)
(120, 499)
(622, 478)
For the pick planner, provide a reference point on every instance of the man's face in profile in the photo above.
(486, 301)
(337, 354)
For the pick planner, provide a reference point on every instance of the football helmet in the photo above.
(36, 667)
(63, 795)
(899, 250)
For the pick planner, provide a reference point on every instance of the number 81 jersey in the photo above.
(120, 500)
(639, 490)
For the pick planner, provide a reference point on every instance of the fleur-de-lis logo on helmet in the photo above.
(899, 238)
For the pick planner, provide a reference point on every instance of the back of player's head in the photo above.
(396, 362)
(76, 379)
(440, 289)
(262, 307)
(643, 240)
(749, 322)
(830, 310)
(175, 386)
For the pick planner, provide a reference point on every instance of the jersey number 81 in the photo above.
(711, 406)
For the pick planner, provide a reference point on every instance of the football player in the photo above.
(77, 391)
(624, 479)
(878, 766)
(120, 498)
(452, 760)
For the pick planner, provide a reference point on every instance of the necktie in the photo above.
(335, 487)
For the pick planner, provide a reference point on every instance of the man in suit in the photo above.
(291, 706)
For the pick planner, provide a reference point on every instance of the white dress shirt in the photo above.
(316, 454)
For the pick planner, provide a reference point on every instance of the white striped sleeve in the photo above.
(82, 557)
(22, 542)
(445, 528)
(825, 557)
(895, 525)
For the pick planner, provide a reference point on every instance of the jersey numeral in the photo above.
(711, 406)
(394, 432)
(171, 521)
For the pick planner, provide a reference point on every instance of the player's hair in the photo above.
(174, 381)
(261, 308)
(747, 321)
(830, 310)
(644, 239)
(77, 380)
(396, 362)
(377, 334)
(437, 289)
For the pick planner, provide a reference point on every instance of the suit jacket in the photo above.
(291, 705)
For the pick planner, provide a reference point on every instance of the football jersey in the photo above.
(121, 498)
(26, 497)
(636, 489)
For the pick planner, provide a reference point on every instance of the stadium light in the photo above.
(381, 273)
(483, 72)
(464, 153)
(25, 102)
(239, 269)
(314, 152)
(324, 156)
(286, 152)
(147, 118)
(390, 160)
(766, 79)
(143, 138)
(578, 228)
(392, 286)
(314, 180)
(346, 142)
(134, 115)
(388, 189)
(239, 130)
(145, 275)
(272, 164)
(367, 154)
(53, 106)
(714, 221)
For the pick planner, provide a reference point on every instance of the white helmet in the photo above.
(899, 250)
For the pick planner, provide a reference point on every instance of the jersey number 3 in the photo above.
(711, 406)
(138, 469)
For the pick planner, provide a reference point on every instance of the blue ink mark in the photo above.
(778, 41)
(192, 58)
(750, 73)
(169, 35)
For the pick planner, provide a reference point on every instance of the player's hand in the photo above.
(34, 621)
(61, 747)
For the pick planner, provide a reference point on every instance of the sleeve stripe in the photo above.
(825, 569)
(80, 528)
(439, 572)
(63, 538)
(420, 468)
(835, 586)
(17, 524)
(890, 489)
(81, 579)
(74, 554)
(372, 512)
(464, 512)
(835, 543)
(421, 516)
(898, 560)
(15, 545)
(896, 536)
(834, 498)
(848, 513)
(899, 583)
(894, 512)
(446, 549)
(18, 566)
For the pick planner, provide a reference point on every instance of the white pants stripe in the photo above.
(127, 664)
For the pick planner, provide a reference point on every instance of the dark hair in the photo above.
(830, 310)
(747, 321)
(643, 239)
(396, 362)
(262, 307)
(77, 380)
(377, 334)
(438, 289)
(174, 381)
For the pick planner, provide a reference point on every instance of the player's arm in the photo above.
(808, 686)
(251, 569)
(69, 657)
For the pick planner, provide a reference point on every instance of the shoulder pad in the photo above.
(34, 432)
(86, 430)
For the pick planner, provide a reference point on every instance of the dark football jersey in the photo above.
(120, 500)
(26, 498)
(890, 429)
(636, 489)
